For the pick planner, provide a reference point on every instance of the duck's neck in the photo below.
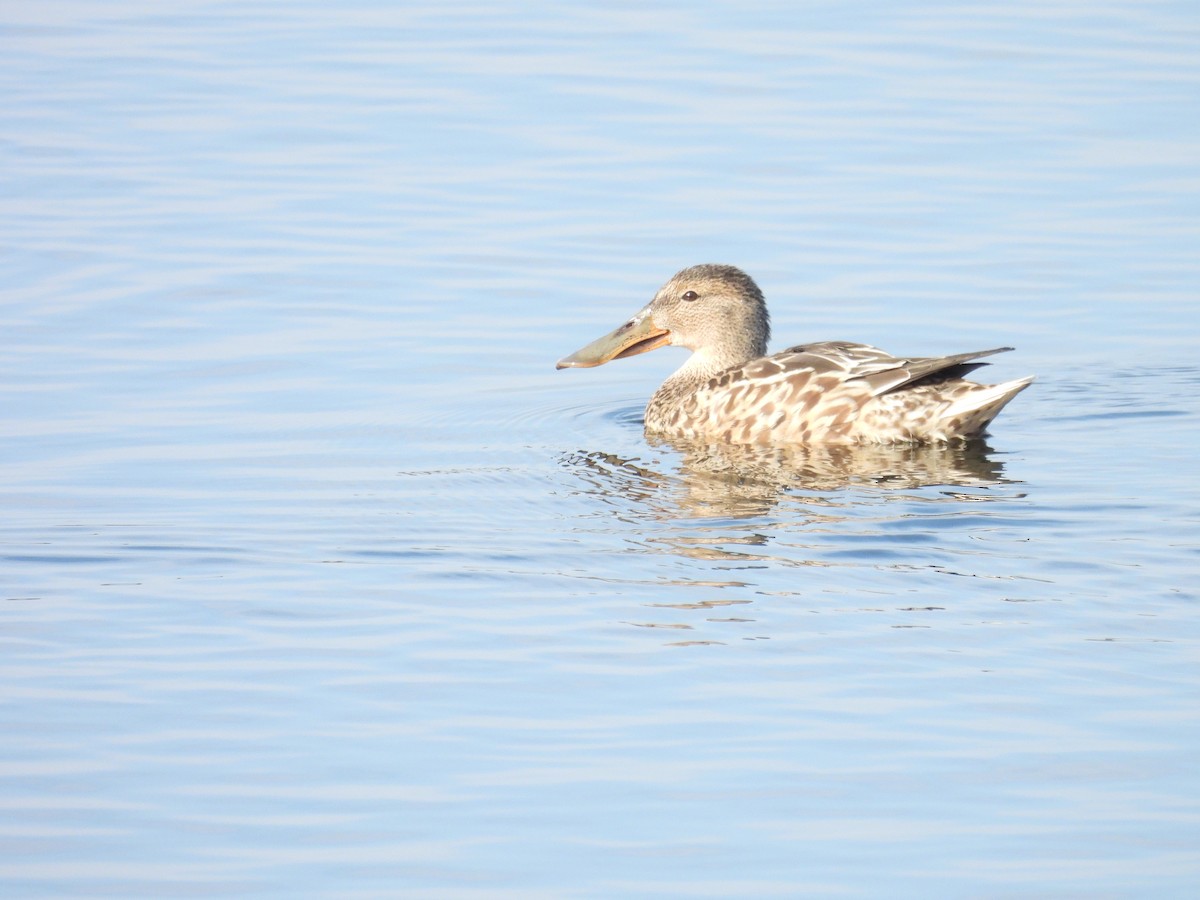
(701, 367)
(708, 362)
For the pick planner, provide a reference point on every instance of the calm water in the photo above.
(319, 580)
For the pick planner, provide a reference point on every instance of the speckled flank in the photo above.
(829, 393)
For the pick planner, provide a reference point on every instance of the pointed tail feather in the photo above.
(977, 409)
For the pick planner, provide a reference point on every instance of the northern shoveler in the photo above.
(831, 392)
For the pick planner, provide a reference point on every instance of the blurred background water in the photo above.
(317, 578)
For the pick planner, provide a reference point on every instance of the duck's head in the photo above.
(710, 309)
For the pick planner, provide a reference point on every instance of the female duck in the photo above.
(828, 393)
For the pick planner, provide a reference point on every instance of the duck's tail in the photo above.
(970, 414)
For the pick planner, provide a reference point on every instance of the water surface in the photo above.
(319, 580)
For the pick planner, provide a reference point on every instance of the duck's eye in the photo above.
(689, 296)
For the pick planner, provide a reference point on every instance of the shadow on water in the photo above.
(741, 481)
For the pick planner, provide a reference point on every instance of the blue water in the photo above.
(317, 579)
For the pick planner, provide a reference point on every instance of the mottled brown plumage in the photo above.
(826, 393)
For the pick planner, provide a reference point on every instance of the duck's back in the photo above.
(834, 392)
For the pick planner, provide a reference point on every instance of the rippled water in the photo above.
(319, 580)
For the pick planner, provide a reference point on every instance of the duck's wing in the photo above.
(820, 392)
(878, 370)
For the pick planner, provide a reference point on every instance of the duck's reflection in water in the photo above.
(743, 520)
(741, 481)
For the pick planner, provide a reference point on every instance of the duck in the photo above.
(831, 392)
